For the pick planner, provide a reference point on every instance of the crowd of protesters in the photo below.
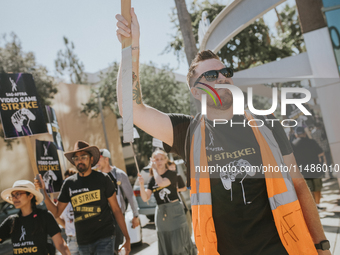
(101, 233)
(233, 213)
(87, 207)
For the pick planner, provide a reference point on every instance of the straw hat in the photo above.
(84, 146)
(22, 185)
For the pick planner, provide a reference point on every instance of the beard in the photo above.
(82, 168)
(227, 102)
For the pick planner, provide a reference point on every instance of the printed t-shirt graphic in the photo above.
(88, 196)
(240, 206)
(80, 202)
(166, 194)
(24, 241)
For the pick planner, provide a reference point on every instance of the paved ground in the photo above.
(330, 219)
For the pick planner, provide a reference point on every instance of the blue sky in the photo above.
(90, 25)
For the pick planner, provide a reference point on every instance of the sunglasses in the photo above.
(16, 195)
(212, 75)
(82, 157)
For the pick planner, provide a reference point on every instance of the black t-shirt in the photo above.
(180, 182)
(88, 196)
(24, 241)
(306, 153)
(166, 194)
(242, 216)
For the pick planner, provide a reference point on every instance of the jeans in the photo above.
(73, 245)
(102, 246)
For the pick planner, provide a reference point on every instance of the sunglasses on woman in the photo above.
(212, 75)
(16, 195)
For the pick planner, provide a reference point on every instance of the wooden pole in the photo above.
(31, 155)
(125, 10)
(32, 160)
(134, 156)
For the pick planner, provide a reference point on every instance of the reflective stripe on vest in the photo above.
(282, 197)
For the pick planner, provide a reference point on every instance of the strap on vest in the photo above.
(281, 194)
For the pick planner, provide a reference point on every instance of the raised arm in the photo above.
(162, 182)
(55, 209)
(158, 124)
(145, 194)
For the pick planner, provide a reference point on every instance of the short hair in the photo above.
(170, 162)
(70, 172)
(201, 56)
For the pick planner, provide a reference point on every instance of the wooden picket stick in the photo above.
(31, 155)
(126, 13)
(32, 160)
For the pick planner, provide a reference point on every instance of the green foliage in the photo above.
(68, 61)
(107, 93)
(251, 47)
(177, 45)
(291, 36)
(13, 59)
(159, 89)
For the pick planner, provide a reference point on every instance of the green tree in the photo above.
(289, 30)
(67, 62)
(186, 30)
(160, 90)
(14, 59)
(107, 93)
(251, 47)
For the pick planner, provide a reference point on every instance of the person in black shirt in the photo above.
(172, 229)
(231, 207)
(93, 197)
(181, 187)
(28, 229)
(309, 155)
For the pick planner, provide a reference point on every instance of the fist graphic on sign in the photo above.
(21, 118)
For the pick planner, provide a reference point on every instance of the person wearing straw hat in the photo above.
(29, 228)
(92, 195)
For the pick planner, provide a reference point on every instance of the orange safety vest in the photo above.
(285, 206)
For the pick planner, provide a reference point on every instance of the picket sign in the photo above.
(32, 161)
(126, 67)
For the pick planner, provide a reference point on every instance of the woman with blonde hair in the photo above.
(172, 228)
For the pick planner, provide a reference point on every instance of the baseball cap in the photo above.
(105, 153)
